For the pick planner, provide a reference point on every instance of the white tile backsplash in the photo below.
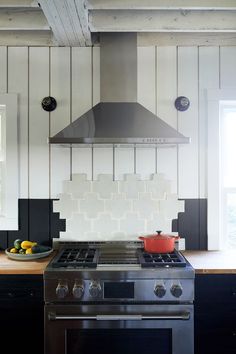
(66, 206)
(118, 206)
(78, 186)
(132, 186)
(105, 209)
(158, 186)
(92, 206)
(105, 186)
(145, 206)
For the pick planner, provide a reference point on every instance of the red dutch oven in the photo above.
(159, 243)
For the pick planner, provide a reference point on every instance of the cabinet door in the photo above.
(215, 313)
(21, 309)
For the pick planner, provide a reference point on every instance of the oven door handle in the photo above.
(181, 316)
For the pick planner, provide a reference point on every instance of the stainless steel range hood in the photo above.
(118, 118)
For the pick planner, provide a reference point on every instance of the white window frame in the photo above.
(214, 214)
(9, 164)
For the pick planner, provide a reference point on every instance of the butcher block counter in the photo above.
(210, 262)
(10, 266)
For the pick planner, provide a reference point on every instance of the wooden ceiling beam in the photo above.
(23, 19)
(18, 3)
(68, 20)
(186, 39)
(162, 21)
(161, 4)
(27, 38)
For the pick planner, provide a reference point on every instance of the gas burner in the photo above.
(153, 260)
(92, 255)
(76, 258)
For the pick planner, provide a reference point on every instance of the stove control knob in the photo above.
(176, 290)
(95, 289)
(78, 291)
(62, 290)
(160, 290)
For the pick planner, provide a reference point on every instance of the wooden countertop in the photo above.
(212, 262)
(10, 266)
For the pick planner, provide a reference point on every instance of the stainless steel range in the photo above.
(113, 297)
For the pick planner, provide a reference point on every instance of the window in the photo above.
(221, 169)
(8, 162)
(228, 170)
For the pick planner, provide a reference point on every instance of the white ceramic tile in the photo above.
(145, 206)
(78, 226)
(105, 186)
(181, 206)
(66, 206)
(105, 225)
(65, 235)
(132, 225)
(118, 206)
(132, 186)
(91, 236)
(91, 205)
(78, 186)
(119, 235)
(116, 210)
(158, 186)
(159, 223)
(171, 206)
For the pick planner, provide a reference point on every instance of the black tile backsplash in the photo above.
(38, 222)
(192, 224)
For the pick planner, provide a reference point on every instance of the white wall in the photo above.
(71, 75)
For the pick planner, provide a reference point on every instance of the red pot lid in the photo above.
(158, 236)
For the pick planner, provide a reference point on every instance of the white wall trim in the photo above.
(9, 164)
(214, 96)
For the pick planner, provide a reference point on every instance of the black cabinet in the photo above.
(215, 313)
(21, 313)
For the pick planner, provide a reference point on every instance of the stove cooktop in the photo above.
(92, 257)
(85, 272)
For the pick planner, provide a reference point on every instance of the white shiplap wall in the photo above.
(72, 76)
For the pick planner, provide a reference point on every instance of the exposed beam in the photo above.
(186, 39)
(82, 12)
(22, 19)
(27, 38)
(18, 3)
(160, 4)
(68, 25)
(162, 21)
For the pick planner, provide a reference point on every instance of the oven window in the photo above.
(119, 341)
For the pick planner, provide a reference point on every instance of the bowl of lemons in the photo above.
(27, 250)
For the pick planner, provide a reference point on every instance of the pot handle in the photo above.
(159, 233)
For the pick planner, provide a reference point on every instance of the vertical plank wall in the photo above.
(72, 76)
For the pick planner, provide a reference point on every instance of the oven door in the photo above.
(119, 329)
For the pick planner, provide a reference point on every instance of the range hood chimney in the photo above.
(118, 118)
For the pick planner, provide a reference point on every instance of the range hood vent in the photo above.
(118, 118)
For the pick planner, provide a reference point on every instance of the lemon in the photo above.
(13, 250)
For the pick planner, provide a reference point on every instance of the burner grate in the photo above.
(76, 258)
(153, 260)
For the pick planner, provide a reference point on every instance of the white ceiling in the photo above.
(78, 22)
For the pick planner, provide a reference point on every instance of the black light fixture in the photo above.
(182, 103)
(49, 103)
